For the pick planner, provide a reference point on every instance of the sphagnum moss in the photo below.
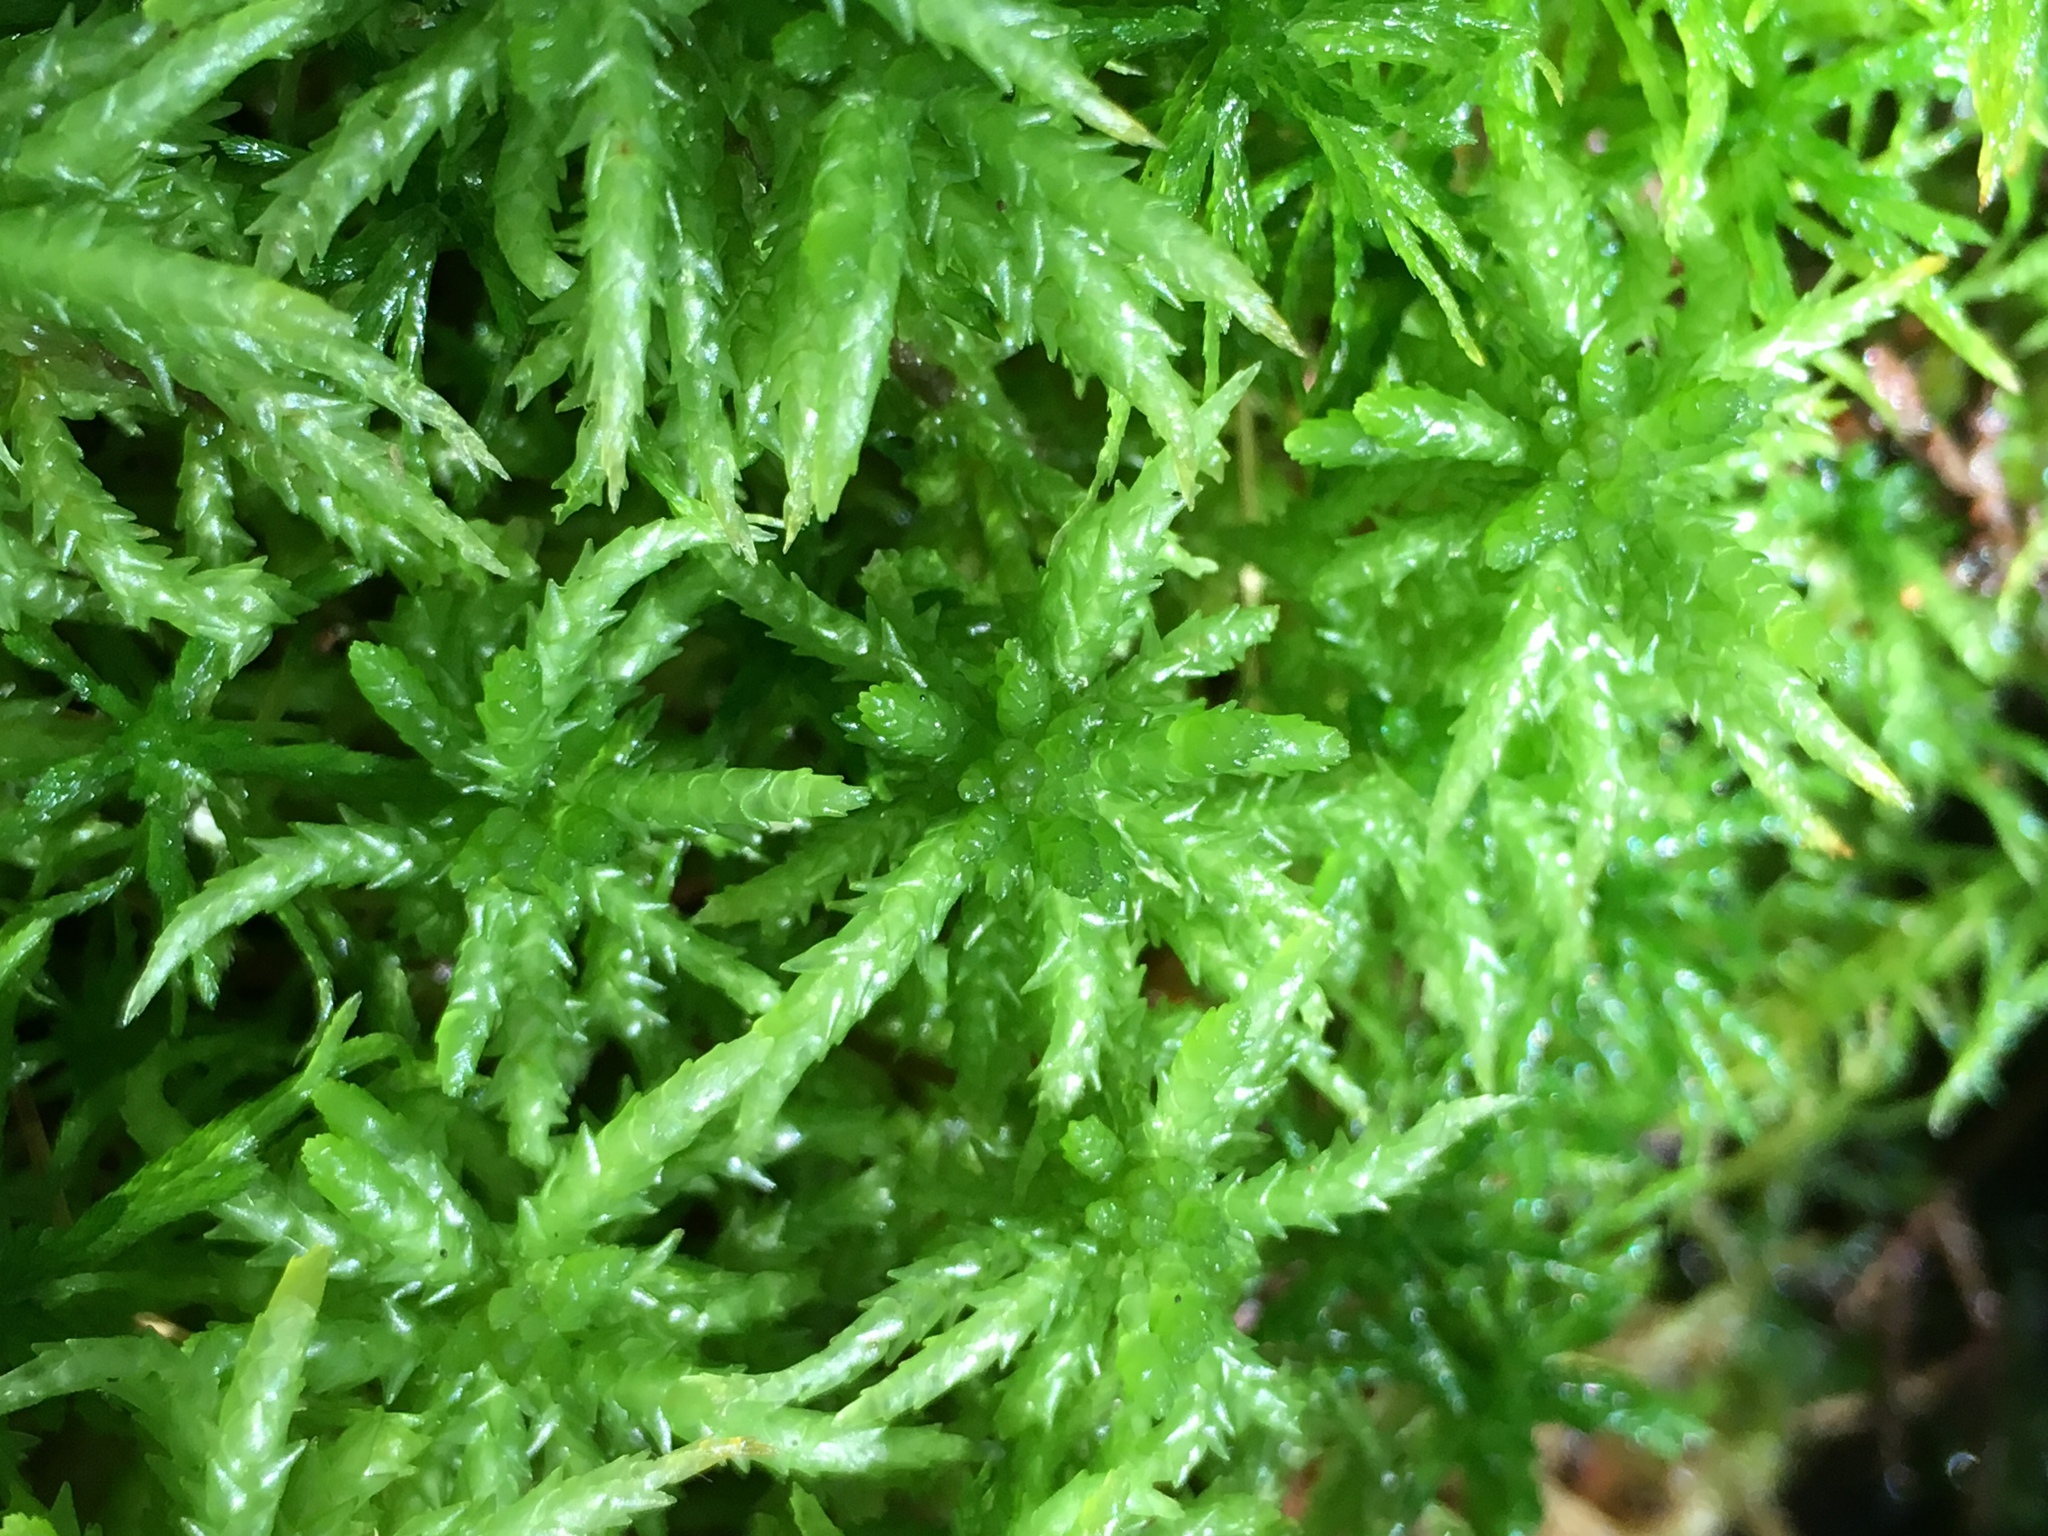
(800, 916)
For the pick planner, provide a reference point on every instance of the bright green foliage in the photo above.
(245, 1472)
(634, 841)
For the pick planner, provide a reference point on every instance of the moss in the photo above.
(637, 851)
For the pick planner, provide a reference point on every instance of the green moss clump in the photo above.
(963, 766)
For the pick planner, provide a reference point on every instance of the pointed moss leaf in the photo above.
(833, 347)
(206, 320)
(84, 1365)
(1941, 314)
(1394, 34)
(1545, 612)
(1120, 1498)
(1591, 728)
(1710, 46)
(1771, 771)
(608, 1498)
(712, 800)
(1105, 561)
(798, 1441)
(33, 587)
(1088, 302)
(1215, 743)
(910, 722)
(800, 619)
(1347, 1179)
(655, 625)
(338, 475)
(380, 135)
(1175, 253)
(1333, 442)
(810, 1516)
(2027, 564)
(1005, 1319)
(618, 987)
(544, 1042)
(21, 946)
(603, 1284)
(1091, 309)
(66, 788)
(525, 198)
(313, 857)
(237, 605)
(625, 168)
(337, 1478)
(520, 733)
(565, 634)
(1406, 421)
(46, 650)
(1202, 646)
(68, 61)
(1023, 44)
(219, 1160)
(206, 496)
(374, 1201)
(1389, 194)
(1092, 1149)
(374, 1171)
(97, 138)
(1711, 34)
(1803, 714)
(605, 1173)
(813, 871)
(1821, 731)
(1817, 323)
(1110, 556)
(840, 980)
(2003, 55)
(922, 1296)
(251, 1455)
(398, 690)
(1531, 524)
(479, 981)
(1230, 1061)
(1084, 961)
(2012, 1000)
(661, 932)
(696, 306)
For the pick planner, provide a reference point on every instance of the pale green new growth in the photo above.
(251, 1455)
